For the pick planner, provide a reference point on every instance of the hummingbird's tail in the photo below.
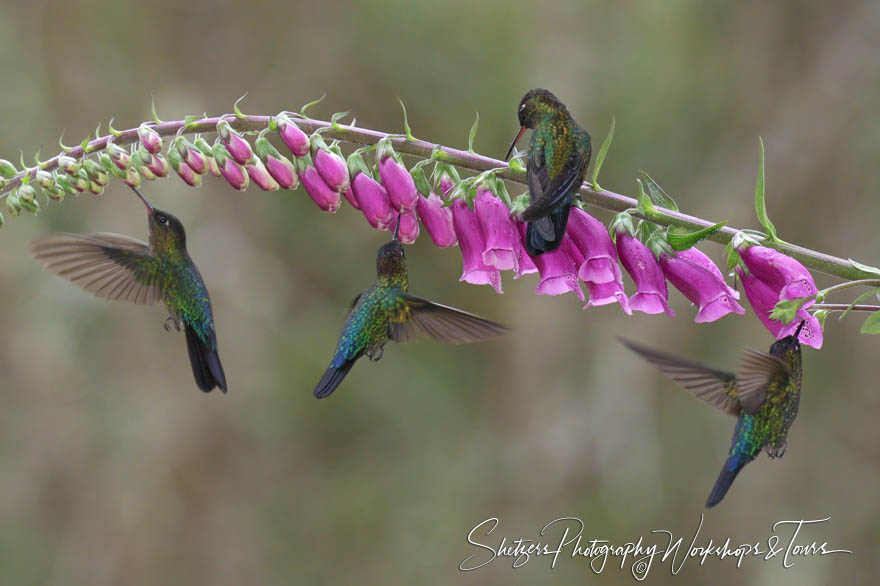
(732, 466)
(332, 378)
(545, 234)
(205, 362)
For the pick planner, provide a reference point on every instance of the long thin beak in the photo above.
(143, 199)
(396, 228)
(797, 332)
(513, 144)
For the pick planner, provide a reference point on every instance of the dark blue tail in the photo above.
(537, 244)
(734, 464)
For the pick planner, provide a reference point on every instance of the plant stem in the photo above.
(859, 283)
(602, 198)
(844, 307)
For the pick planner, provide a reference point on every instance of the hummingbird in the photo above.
(121, 268)
(763, 395)
(558, 157)
(387, 312)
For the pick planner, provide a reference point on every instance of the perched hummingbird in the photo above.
(559, 153)
(386, 312)
(117, 267)
(764, 395)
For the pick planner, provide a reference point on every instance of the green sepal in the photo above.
(13, 205)
(785, 311)
(516, 166)
(204, 146)
(357, 164)
(64, 182)
(44, 179)
(175, 159)
(263, 148)
(27, 194)
(472, 134)
(220, 152)
(656, 193)
(680, 239)
(645, 205)
(658, 244)
(96, 172)
(519, 204)
(55, 193)
(872, 324)
(501, 190)
(760, 202)
(865, 268)
(646, 230)
(622, 222)
(600, 158)
(465, 190)
(385, 149)
(7, 169)
(417, 172)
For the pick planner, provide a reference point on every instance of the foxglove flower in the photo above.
(599, 269)
(701, 286)
(558, 269)
(763, 299)
(110, 166)
(96, 172)
(350, 197)
(119, 156)
(437, 220)
(280, 167)
(371, 197)
(184, 171)
(651, 293)
(208, 151)
(258, 173)
(68, 164)
(409, 227)
(234, 173)
(697, 256)
(396, 179)
(524, 262)
(499, 231)
(470, 239)
(331, 167)
(445, 178)
(326, 199)
(295, 139)
(782, 273)
(150, 139)
(132, 178)
(236, 145)
(189, 154)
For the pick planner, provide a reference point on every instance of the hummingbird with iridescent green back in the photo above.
(763, 394)
(121, 268)
(387, 312)
(558, 157)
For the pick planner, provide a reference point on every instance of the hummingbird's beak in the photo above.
(396, 229)
(143, 199)
(797, 332)
(513, 144)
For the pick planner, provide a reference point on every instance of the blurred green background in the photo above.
(116, 469)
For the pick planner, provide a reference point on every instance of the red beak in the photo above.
(513, 144)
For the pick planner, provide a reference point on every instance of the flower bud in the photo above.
(472, 244)
(208, 152)
(119, 156)
(295, 139)
(132, 178)
(371, 197)
(159, 166)
(55, 193)
(109, 166)
(279, 166)
(95, 189)
(236, 145)
(409, 227)
(234, 173)
(13, 205)
(189, 154)
(446, 177)
(68, 164)
(327, 199)
(184, 171)
(330, 165)
(396, 179)
(150, 139)
(63, 181)
(80, 181)
(44, 179)
(7, 169)
(261, 176)
(96, 172)
(26, 194)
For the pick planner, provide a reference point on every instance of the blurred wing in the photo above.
(756, 373)
(111, 266)
(716, 387)
(442, 323)
(546, 193)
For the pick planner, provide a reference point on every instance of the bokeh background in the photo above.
(115, 469)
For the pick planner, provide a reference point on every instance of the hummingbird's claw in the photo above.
(172, 320)
(376, 353)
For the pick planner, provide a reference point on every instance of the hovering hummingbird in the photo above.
(386, 312)
(764, 395)
(118, 267)
(559, 153)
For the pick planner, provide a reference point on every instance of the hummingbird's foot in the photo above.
(777, 451)
(168, 322)
(375, 354)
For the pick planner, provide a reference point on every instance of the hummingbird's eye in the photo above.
(162, 220)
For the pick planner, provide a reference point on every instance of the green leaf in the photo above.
(600, 158)
(473, 133)
(865, 268)
(153, 108)
(406, 129)
(238, 113)
(644, 202)
(760, 203)
(786, 310)
(310, 104)
(516, 166)
(872, 324)
(656, 193)
(682, 240)
(856, 301)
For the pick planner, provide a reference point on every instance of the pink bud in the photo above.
(437, 220)
(332, 169)
(373, 201)
(399, 183)
(150, 139)
(194, 158)
(189, 176)
(283, 171)
(409, 227)
(472, 244)
(261, 176)
(327, 199)
(501, 237)
(295, 139)
(350, 197)
(159, 166)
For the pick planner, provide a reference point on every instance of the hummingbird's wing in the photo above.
(716, 387)
(549, 187)
(111, 266)
(756, 373)
(442, 323)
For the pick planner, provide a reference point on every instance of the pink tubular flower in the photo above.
(328, 200)
(525, 264)
(651, 293)
(409, 227)
(703, 287)
(558, 269)
(330, 166)
(763, 299)
(295, 139)
(470, 239)
(436, 219)
(184, 171)
(696, 256)
(261, 176)
(150, 139)
(499, 231)
(396, 179)
(234, 173)
(599, 269)
(782, 273)
(372, 199)
(350, 197)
